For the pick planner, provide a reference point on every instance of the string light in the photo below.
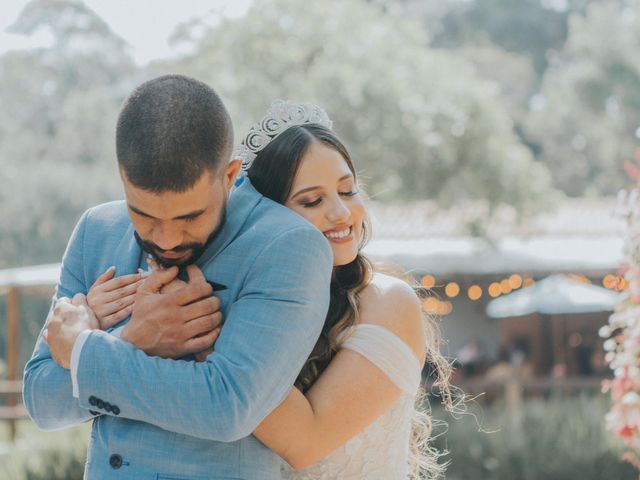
(621, 284)
(515, 281)
(494, 290)
(505, 286)
(609, 281)
(579, 278)
(452, 289)
(437, 307)
(445, 308)
(428, 281)
(430, 304)
(474, 292)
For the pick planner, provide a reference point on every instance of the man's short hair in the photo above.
(170, 131)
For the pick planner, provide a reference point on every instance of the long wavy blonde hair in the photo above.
(346, 286)
(272, 173)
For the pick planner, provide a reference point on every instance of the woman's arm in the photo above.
(351, 393)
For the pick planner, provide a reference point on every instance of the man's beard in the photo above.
(197, 249)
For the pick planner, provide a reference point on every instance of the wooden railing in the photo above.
(11, 389)
(13, 409)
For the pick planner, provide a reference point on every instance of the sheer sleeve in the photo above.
(387, 352)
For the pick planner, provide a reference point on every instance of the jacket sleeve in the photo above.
(267, 336)
(46, 387)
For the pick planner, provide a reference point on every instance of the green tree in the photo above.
(419, 121)
(56, 128)
(587, 116)
(530, 27)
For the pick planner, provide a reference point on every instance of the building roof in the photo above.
(581, 235)
(425, 219)
(467, 256)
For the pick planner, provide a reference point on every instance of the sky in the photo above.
(129, 19)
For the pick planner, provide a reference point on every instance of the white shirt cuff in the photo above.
(117, 332)
(75, 360)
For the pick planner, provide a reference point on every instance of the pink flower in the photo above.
(627, 431)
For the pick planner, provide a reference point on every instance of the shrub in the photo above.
(40, 455)
(554, 439)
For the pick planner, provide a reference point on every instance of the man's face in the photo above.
(175, 228)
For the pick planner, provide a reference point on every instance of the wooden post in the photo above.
(12, 342)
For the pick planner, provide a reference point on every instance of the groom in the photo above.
(158, 418)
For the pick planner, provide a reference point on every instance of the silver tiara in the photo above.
(281, 115)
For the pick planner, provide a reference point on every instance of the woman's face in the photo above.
(324, 192)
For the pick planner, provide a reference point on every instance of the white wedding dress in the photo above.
(380, 451)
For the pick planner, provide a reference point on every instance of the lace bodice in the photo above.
(381, 450)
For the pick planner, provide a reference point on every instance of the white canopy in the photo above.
(471, 256)
(554, 295)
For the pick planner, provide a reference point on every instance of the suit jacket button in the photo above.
(107, 406)
(115, 461)
(115, 410)
(93, 401)
(100, 404)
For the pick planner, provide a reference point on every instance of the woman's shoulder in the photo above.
(388, 291)
(390, 302)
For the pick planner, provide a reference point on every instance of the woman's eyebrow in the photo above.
(304, 190)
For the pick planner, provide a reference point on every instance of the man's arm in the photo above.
(268, 334)
(47, 386)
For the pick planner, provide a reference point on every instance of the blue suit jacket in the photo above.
(155, 418)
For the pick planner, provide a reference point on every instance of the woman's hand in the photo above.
(172, 286)
(111, 299)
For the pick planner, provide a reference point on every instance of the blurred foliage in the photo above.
(561, 438)
(419, 122)
(46, 455)
(59, 105)
(567, 72)
(527, 27)
(587, 116)
(557, 439)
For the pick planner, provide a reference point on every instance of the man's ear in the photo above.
(231, 172)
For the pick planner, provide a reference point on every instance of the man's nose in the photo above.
(167, 237)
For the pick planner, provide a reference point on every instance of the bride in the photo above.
(355, 411)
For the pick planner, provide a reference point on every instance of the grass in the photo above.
(554, 439)
(38, 455)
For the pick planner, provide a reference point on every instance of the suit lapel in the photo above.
(128, 254)
(241, 203)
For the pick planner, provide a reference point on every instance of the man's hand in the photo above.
(68, 319)
(174, 324)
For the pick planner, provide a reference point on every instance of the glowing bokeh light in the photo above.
(474, 292)
(452, 289)
(428, 281)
